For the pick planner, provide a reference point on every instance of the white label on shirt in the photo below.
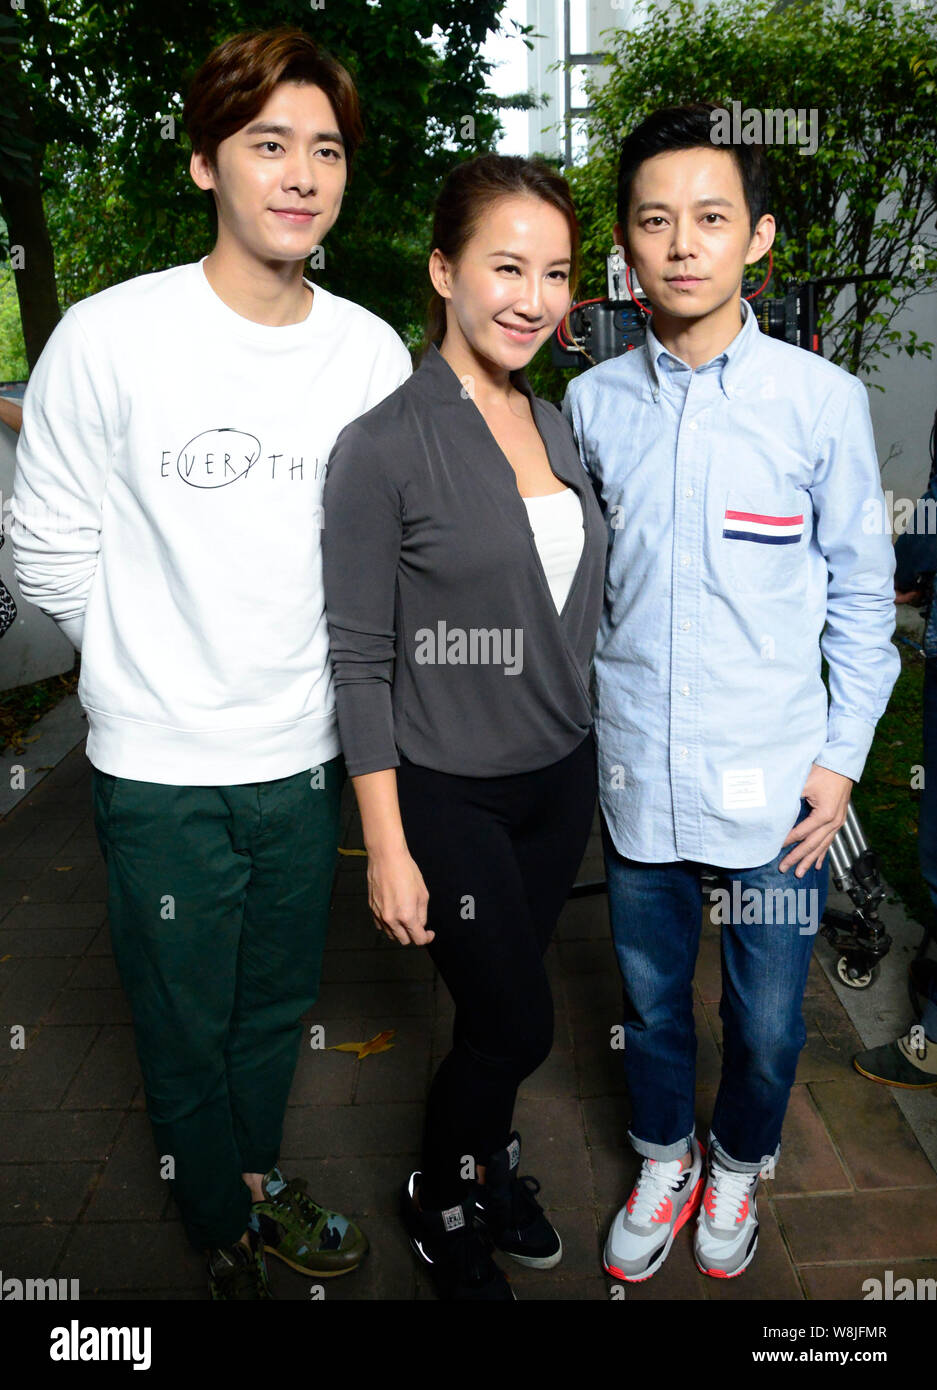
(742, 788)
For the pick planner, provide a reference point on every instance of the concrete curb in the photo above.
(51, 739)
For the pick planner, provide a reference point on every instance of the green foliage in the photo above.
(13, 366)
(860, 205)
(117, 192)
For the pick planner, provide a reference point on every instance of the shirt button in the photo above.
(692, 425)
(683, 752)
(684, 560)
(688, 492)
(685, 626)
(684, 690)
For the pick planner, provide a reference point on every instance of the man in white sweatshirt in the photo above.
(167, 515)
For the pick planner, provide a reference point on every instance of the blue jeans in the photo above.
(767, 939)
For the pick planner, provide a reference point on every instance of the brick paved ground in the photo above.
(80, 1195)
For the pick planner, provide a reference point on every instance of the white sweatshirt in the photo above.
(167, 514)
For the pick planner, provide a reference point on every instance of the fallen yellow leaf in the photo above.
(379, 1043)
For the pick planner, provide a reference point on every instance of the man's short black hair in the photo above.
(687, 128)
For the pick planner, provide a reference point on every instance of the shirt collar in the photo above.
(732, 360)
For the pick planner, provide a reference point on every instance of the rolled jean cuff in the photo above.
(734, 1164)
(664, 1153)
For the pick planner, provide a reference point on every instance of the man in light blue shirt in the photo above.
(734, 472)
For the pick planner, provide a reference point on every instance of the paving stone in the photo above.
(90, 1006)
(403, 1073)
(33, 1251)
(325, 1077)
(130, 1188)
(584, 919)
(855, 1108)
(314, 1131)
(598, 995)
(92, 885)
(48, 916)
(599, 1067)
(47, 1192)
(588, 957)
(49, 836)
(862, 1226)
(554, 1150)
(39, 1076)
(95, 972)
(100, 944)
(109, 1075)
(144, 1255)
(846, 1281)
(57, 1135)
(387, 1000)
(54, 885)
(555, 1287)
(376, 963)
(35, 942)
(556, 1077)
(809, 1161)
(30, 990)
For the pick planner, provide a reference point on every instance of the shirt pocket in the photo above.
(762, 543)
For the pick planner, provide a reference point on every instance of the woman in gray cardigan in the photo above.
(464, 557)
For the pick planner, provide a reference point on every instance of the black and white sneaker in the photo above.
(452, 1248)
(507, 1207)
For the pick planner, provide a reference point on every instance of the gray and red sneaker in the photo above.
(727, 1231)
(662, 1200)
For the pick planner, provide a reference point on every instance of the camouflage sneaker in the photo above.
(307, 1237)
(236, 1273)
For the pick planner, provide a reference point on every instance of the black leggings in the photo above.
(498, 856)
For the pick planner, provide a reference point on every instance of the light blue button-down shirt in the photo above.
(734, 496)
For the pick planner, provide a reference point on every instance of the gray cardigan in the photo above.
(446, 643)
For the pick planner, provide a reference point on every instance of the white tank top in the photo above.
(556, 521)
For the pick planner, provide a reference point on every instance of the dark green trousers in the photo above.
(218, 899)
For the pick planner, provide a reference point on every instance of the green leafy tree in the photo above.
(99, 89)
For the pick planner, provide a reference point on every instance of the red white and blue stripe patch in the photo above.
(766, 530)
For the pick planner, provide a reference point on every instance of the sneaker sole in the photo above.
(723, 1274)
(314, 1273)
(902, 1085)
(692, 1206)
(536, 1261)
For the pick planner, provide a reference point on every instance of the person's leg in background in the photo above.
(910, 1061)
(656, 913)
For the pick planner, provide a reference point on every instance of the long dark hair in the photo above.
(466, 196)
